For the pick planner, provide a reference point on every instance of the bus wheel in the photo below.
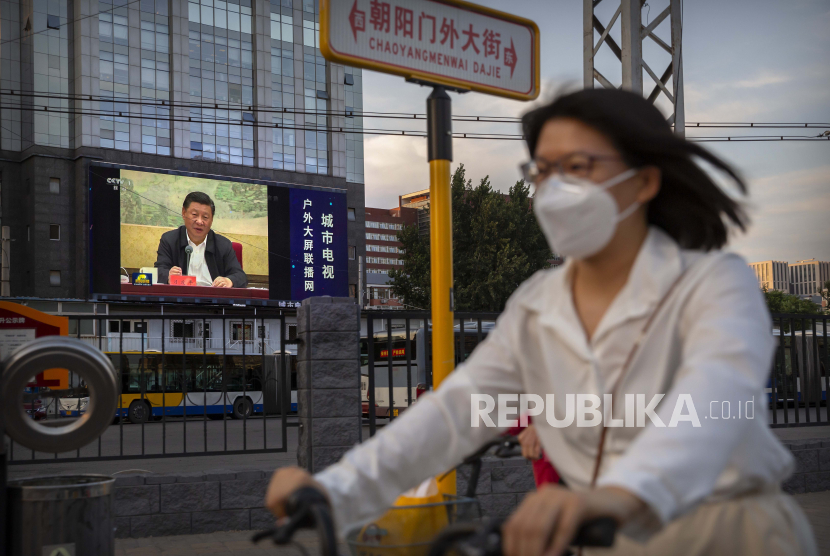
(242, 408)
(139, 412)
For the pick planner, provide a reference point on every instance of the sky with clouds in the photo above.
(744, 61)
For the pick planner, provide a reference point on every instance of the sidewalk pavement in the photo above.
(816, 505)
(215, 544)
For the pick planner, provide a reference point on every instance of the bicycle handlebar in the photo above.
(470, 539)
(306, 508)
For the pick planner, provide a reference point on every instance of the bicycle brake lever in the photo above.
(297, 507)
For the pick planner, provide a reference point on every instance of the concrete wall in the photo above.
(812, 466)
(225, 500)
(162, 505)
(502, 484)
(328, 380)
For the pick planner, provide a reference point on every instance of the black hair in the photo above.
(690, 207)
(201, 198)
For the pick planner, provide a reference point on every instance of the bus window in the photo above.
(238, 380)
(152, 373)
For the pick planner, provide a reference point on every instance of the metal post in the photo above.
(360, 299)
(588, 44)
(632, 46)
(439, 147)
(630, 52)
(677, 67)
(3, 479)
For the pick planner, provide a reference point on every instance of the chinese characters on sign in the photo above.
(326, 236)
(320, 266)
(463, 46)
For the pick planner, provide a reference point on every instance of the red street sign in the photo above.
(449, 43)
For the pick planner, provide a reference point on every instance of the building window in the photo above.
(352, 215)
(87, 327)
(55, 186)
(221, 76)
(352, 252)
(237, 334)
(54, 277)
(55, 232)
(182, 329)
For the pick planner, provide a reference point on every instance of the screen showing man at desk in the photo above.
(225, 224)
(193, 249)
(230, 238)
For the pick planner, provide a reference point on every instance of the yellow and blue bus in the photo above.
(177, 384)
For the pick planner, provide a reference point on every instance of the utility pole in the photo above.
(633, 35)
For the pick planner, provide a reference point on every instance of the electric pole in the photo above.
(634, 33)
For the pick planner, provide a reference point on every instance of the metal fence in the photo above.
(797, 389)
(396, 357)
(396, 364)
(204, 385)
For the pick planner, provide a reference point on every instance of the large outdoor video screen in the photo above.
(289, 240)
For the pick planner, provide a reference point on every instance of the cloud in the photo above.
(789, 217)
(394, 166)
(397, 165)
(763, 79)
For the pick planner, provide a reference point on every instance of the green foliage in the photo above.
(497, 244)
(825, 294)
(412, 282)
(780, 302)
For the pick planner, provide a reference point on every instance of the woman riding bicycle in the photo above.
(646, 304)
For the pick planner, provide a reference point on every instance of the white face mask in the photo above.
(579, 218)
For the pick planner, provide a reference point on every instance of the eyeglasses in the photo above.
(576, 165)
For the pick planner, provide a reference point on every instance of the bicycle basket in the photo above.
(407, 529)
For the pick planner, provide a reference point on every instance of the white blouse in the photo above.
(712, 339)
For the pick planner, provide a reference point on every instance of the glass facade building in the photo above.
(237, 82)
(223, 87)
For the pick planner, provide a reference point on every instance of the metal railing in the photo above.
(175, 400)
(396, 357)
(135, 342)
(396, 349)
(797, 389)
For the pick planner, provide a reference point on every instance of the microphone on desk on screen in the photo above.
(188, 251)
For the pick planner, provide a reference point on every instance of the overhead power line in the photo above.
(371, 131)
(364, 114)
(69, 22)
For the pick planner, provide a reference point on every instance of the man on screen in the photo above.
(213, 261)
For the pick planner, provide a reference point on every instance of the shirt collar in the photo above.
(657, 266)
(194, 245)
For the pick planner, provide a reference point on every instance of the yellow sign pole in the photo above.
(439, 138)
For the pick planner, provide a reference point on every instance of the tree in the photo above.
(825, 295)
(780, 302)
(497, 244)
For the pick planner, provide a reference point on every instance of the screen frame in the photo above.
(94, 218)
